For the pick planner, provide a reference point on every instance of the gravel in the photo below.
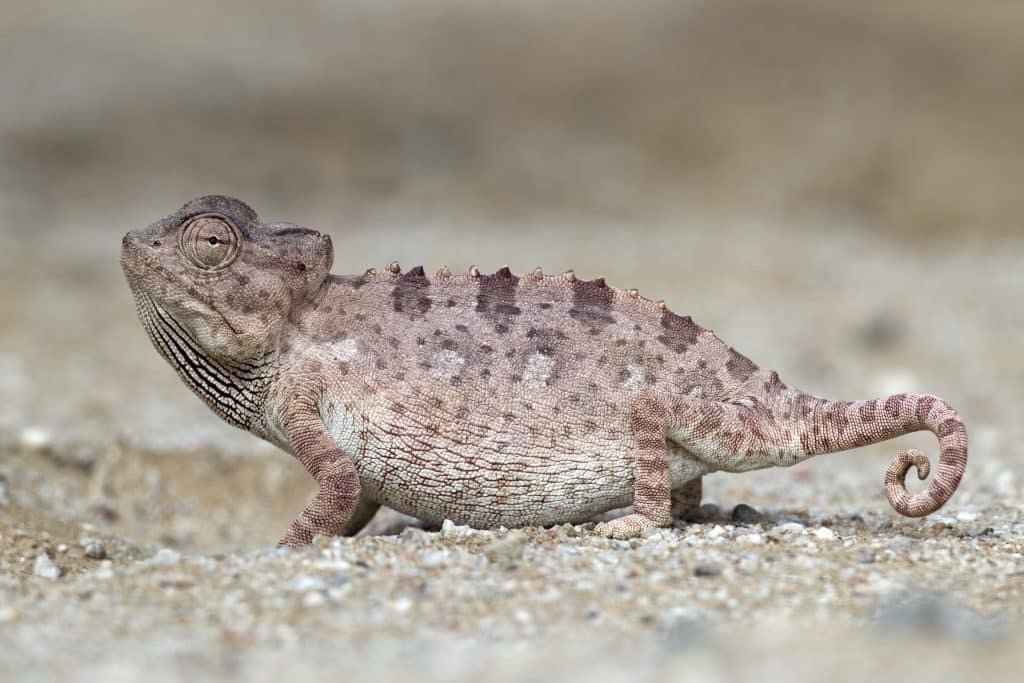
(168, 519)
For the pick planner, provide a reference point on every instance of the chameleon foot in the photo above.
(630, 526)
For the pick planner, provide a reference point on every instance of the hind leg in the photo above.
(361, 517)
(652, 497)
(686, 499)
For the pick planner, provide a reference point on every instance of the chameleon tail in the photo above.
(828, 426)
(789, 426)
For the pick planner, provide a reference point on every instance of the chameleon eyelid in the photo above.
(191, 241)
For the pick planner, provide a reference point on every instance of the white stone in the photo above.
(716, 532)
(35, 438)
(824, 534)
(45, 567)
(450, 528)
(166, 556)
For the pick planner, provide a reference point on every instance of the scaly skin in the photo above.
(489, 400)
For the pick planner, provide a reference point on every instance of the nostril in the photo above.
(157, 243)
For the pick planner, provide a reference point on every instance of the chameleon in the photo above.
(492, 400)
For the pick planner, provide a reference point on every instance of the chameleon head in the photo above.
(213, 273)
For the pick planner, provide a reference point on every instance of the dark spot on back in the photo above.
(409, 296)
(773, 385)
(496, 297)
(680, 332)
(739, 366)
(591, 303)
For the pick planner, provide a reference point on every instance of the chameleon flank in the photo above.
(490, 400)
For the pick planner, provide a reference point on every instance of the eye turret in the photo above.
(210, 241)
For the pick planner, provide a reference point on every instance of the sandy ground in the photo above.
(136, 530)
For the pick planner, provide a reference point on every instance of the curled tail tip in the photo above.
(935, 415)
(914, 504)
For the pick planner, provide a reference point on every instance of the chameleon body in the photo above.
(488, 399)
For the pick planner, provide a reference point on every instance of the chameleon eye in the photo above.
(210, 241)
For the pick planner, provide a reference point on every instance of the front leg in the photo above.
(334, 505)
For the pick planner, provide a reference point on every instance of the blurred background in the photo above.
(833, 187)
(903, 118)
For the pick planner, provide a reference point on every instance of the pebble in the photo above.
(824, 534)
(705, 513)
(5, 491)
(95, 550)
(744, 514)
(45, 568)
(450, 528)
(707, 570)
(35, 438)
(7, 613)
(166, 556)
(716, 532)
